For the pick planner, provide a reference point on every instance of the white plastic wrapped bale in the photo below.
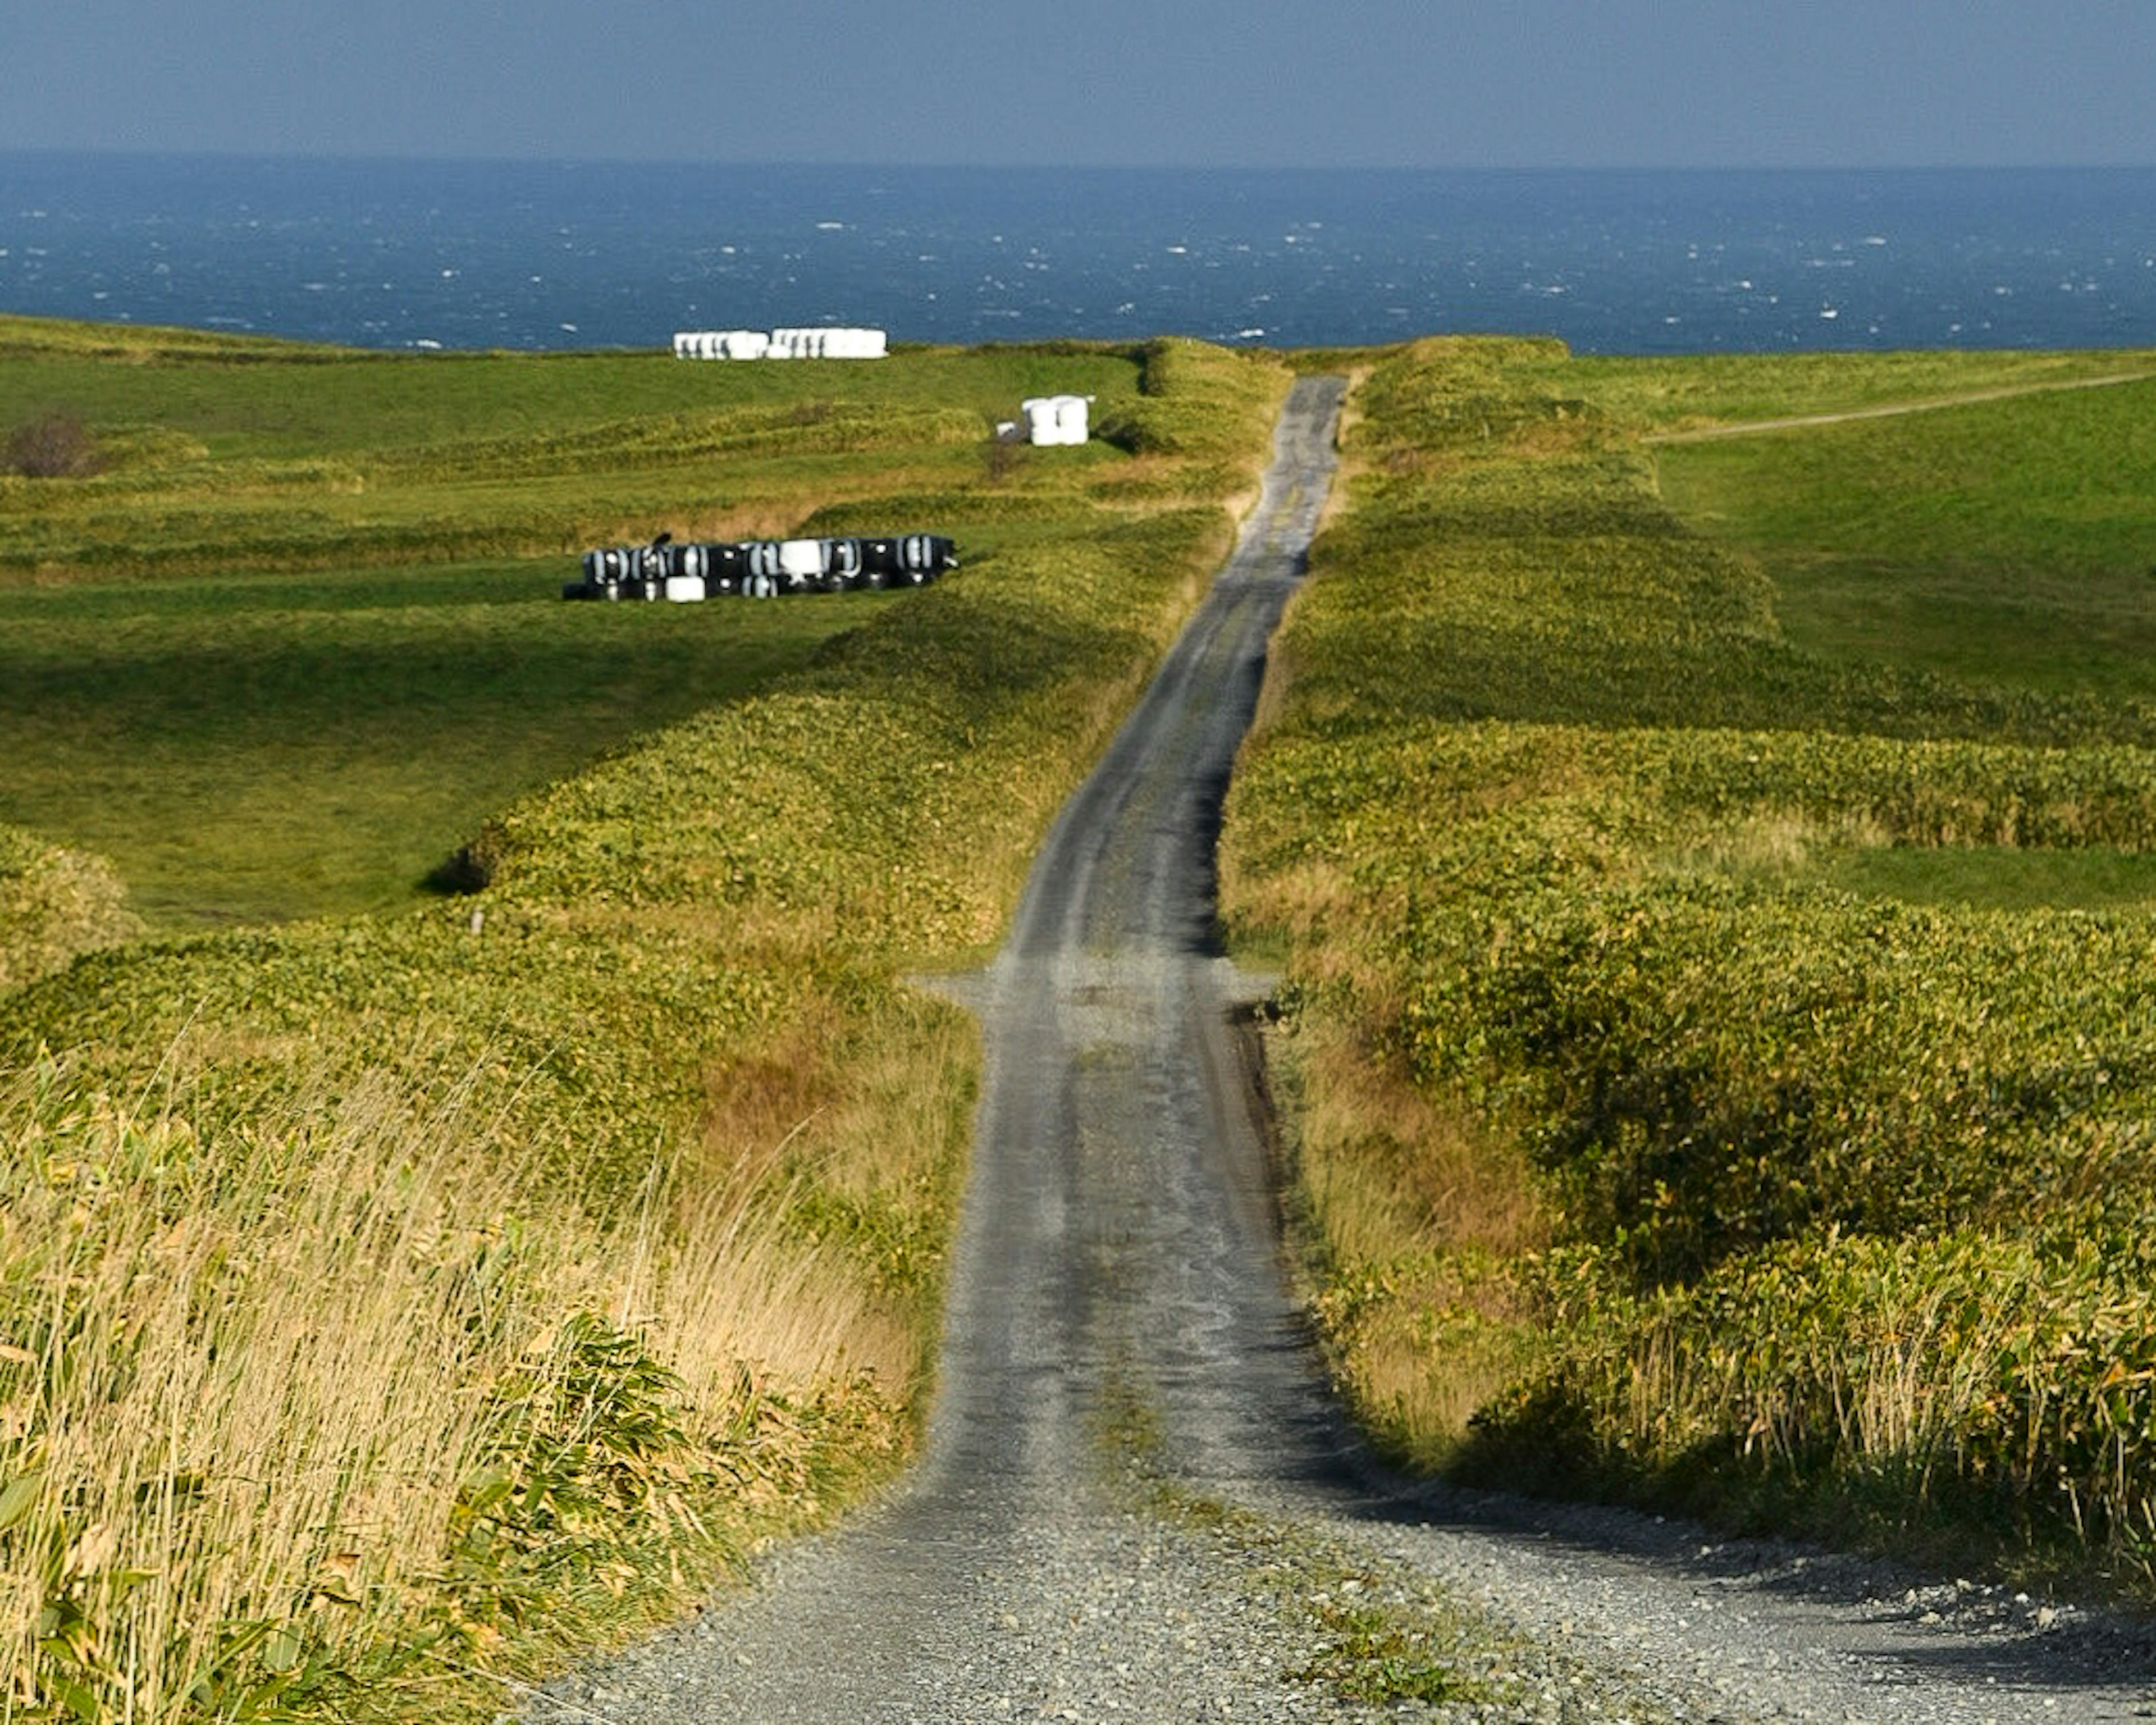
(1052, 420)
(683, 345)
(685, 589)
(800, 564)
(746, 344)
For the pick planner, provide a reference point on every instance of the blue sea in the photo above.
(556, 256)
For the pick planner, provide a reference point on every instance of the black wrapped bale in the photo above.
(842, 564)
(726, 567)
(881, 566)
(690, 561)
(923, 556)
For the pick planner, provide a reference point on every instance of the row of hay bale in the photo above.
(760, 568)
(781, 344)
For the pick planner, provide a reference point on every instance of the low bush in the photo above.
(1540, 828)
(54, 904)
(53, 445)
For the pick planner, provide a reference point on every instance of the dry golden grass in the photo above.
(1774, 842)
(243, 1384)
(1409, 1211)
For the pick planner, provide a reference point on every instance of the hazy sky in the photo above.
(1258, 83)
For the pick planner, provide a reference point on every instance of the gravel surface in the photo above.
(1138, 1501)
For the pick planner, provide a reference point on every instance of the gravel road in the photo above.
(1137, 1500)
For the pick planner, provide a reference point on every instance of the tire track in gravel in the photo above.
(1119, 1342)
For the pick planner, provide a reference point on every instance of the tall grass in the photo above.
(315, 1404)
(250, 1391)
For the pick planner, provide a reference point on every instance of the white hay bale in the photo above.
(685, 589)
(801, 559)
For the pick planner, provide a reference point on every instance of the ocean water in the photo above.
(399, 254)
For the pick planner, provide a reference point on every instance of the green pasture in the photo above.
(2010, 543)
(1698, 391)
(303, 633)
(259, 748)
(244, 395)
(2098, 878)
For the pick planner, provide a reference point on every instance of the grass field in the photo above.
(1714, 1042)
(303, 634)
(2004, 542)
(260, 748)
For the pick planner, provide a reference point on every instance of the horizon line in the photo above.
(446, 158)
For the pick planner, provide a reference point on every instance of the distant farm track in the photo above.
(1889, 410)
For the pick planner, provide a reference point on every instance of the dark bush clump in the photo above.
(53, 445)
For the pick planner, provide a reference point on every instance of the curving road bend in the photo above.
(1138, 1502)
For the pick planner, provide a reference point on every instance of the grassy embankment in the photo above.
(1715, 884)
(447, 1286)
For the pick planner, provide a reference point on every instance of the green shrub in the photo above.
(1544, 822)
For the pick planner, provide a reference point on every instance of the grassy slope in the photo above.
(288, 651)
(2001, 542)
(522, 1258)
(1559, 872)
(262, 747)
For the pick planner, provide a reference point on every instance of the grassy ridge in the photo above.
(579, 1232)
(1560, 880)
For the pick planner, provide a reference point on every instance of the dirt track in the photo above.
(1118, 1327)
(1891, 410)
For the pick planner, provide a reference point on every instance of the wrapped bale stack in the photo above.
(760, 568)
(837, 343)
(1055, 419)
